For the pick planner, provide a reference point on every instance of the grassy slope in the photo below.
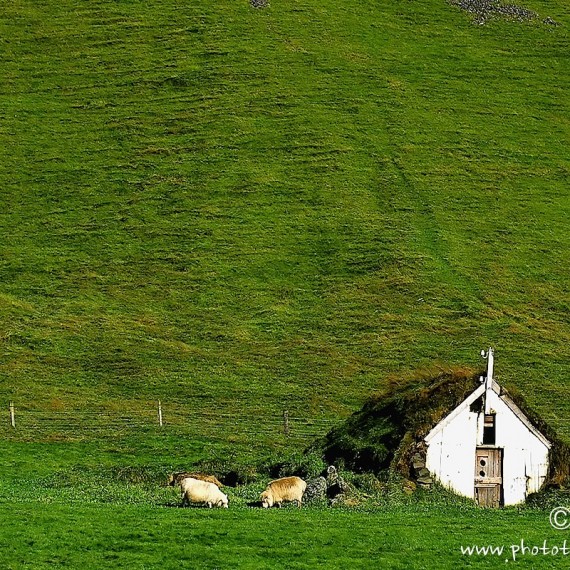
(270, 208)
(299, 200)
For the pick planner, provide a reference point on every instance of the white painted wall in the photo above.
(451, 451)
(525, 456)
(450, 454)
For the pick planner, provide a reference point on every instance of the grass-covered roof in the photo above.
(383, 434)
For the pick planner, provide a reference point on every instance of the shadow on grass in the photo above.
(254, 504)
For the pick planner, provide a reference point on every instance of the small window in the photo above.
(489, 429)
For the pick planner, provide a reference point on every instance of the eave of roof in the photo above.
(455, 412)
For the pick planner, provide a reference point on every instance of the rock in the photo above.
(316, 489)
(418, 461)
(423, 473)
(343, 500)
(484, 10)
(339, 499)
(259, 3)
(425, 481)
(336, 485)
(338, 488)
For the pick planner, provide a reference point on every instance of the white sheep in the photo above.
(176, 478)
(203, 492)
(281, 490)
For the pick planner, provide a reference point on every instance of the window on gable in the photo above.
(489, 429)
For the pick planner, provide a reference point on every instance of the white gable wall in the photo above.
(450, 454)
(525, 456)
(452, 443)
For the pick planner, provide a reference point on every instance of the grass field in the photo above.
(242, 211)
(143, 537)
(99, 516)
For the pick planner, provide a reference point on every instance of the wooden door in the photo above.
(488, 476)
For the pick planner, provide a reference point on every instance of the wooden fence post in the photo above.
(286, 422)
(159, 413)
(12, 415)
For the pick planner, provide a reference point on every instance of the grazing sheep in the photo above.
(176, 478)
(204, 492)
(281, 490)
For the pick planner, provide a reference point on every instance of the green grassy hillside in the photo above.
(240, 210)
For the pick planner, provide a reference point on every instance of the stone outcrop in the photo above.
(316, 489)
(418, 468)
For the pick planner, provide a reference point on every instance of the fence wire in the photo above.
(93, 423)
(38, 424)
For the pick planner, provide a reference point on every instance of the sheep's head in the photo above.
(266, 499)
